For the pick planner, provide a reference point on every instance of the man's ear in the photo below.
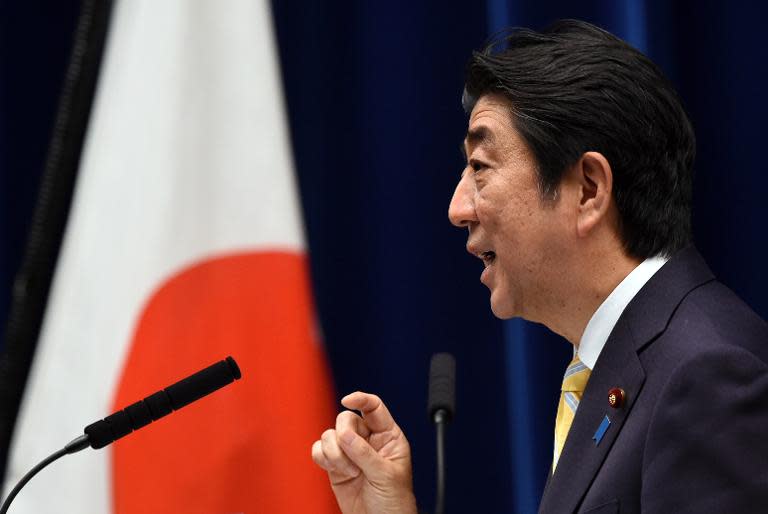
(592, 173)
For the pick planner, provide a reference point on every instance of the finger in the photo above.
(374, 412)
(334, 456)
(362, 454)
(348, 420)
(319, 457)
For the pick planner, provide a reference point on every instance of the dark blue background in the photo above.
(373, 93)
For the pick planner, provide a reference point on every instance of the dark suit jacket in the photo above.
(692, 436)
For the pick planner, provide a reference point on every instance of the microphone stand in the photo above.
(441, 421)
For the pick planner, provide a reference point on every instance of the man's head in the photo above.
(576, 88)
(577, 148)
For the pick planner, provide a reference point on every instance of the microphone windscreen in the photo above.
(163, 402)
(442, 385)
(202, 383)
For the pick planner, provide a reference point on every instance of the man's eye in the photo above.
(476, 166)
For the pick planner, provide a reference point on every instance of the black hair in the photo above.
(575, 88)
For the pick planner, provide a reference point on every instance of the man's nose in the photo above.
(461, 211)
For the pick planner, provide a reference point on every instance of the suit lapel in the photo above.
(644, 318)
(618, 366)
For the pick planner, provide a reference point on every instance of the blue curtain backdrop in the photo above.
(373, 92)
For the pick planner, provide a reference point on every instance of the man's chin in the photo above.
(502, 310)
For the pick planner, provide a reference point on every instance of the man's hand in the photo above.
(368, 459)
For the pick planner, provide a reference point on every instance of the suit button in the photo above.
(616, 397)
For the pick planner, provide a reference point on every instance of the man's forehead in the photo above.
(492, 127)
(490, 115)
(490, 104)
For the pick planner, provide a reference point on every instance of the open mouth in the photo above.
(488, 258)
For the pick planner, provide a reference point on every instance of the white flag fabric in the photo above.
(184, 245)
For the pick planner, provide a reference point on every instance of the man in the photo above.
(577, 197)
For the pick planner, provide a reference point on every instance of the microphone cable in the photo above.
(74, 446)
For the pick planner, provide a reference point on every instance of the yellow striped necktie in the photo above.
(574, 382)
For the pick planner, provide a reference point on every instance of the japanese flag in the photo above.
(184, 245)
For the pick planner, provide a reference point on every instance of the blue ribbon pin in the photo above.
(601, 430)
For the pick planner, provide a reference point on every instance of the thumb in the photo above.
(362, 454)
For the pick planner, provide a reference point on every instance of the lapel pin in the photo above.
(616, 397)
(601, 430)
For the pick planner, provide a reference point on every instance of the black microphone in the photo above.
(139, 414)
(441, 407)
(162, 403)
(442, 387)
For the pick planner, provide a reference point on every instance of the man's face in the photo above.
(521, 238)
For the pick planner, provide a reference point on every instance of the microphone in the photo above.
(441, 406)
(442, 387)
(162, 403)
(140, 414)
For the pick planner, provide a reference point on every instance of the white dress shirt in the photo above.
(605, 317)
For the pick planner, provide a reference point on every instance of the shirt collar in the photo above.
(605, 317)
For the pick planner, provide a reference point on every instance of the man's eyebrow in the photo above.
(476, 136)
